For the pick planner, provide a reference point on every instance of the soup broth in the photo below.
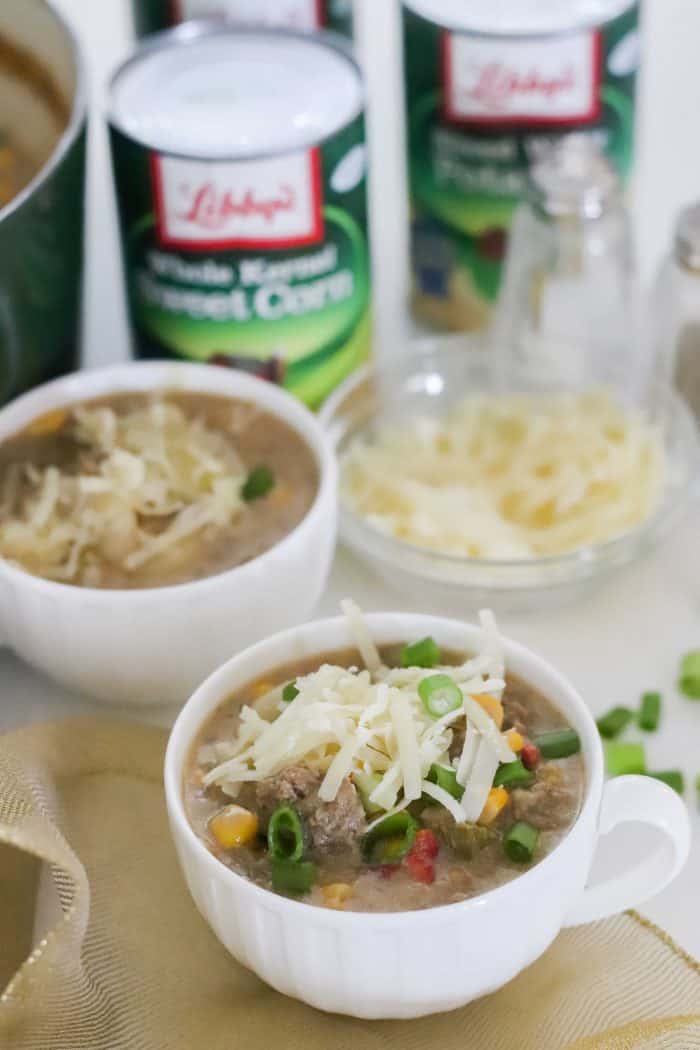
(136, 491)
(454, 862)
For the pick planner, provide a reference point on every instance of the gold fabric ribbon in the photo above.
(101, 947)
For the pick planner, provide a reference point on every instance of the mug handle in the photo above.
(646, 801)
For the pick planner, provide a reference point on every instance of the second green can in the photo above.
(488, 88)
(242, 196)
(151, 16)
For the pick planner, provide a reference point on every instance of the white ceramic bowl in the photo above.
(154, 646)
(412, 963)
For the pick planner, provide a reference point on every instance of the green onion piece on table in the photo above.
(612, 724)
(446, 779)
(425, 653)
(290, 692)
(520, 842)
(365, 783)
(673, 777)
(560, 743)
(513, 774)
(649, 712)
(293, 878)
(689, 682)
(621, 759)
(392, 837)
(285, 834)
(440, 695)
(259, 483)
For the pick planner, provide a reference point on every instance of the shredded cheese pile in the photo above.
(512, 476)
(372, 720)
(143, 482)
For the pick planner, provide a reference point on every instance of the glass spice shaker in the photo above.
(676, 313)
(569, 299)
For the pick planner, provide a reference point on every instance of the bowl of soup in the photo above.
(155, 518)
(391, 815)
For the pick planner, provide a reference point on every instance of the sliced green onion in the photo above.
(513, 774)
(259, 482)
(649, 712)
(290, 692)
(285, 834)
(560, 743)
(293, 878)
(621, 759)
(425, 653)
(440, 695)
(689, 683)
(446, 779)
(520, 842)
(673, 777)
(399, 830)
(612, 724)
(365, 784)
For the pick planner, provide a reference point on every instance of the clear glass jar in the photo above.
(570, 278)
(676, 311)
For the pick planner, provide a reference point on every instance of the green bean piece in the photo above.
(520, 842)
(400, 828)
(560, 743)
(293, 878)
(513, 774)
(289, 693)
(440, 695)
(425, 653)
(258, 484)
(622, 759)
(649, 712)
(446, 779)
(285, 835)
(611, 724)
(689, 682)
(673, 778)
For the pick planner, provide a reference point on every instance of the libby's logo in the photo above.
(246, 204)
(521, 81)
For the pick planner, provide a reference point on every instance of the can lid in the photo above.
(687, 244)
(575, 178)
(506, 17)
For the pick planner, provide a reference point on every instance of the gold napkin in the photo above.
(126, 963)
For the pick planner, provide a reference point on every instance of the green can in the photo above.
(43, 119)
(150, 16)
(244, 208)
(488, 87)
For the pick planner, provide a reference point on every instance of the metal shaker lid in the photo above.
(575, 179)
(687, 244)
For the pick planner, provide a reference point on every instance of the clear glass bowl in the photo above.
(430, 378)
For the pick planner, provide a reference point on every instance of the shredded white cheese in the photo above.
(509, 476)
(372, 720)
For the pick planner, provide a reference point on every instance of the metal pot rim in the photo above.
(72, 129)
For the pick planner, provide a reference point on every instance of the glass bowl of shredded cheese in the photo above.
(463, 475)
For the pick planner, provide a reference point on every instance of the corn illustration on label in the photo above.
(480, 109)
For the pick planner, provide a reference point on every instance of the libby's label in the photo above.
(261, 265)
(522, 81)
(243, 204)
(480, 111)
(306, 15)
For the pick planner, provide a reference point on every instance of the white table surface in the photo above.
(615, 644)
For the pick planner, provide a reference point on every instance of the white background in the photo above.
(614, 645)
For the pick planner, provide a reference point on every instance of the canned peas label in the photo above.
(261, 264)
(480, 110)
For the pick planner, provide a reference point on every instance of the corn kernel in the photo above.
(497, 801)
(337, 895)
(234, 826)
(492, 707)
(49, 423)
(262, 687)
(515, 741)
